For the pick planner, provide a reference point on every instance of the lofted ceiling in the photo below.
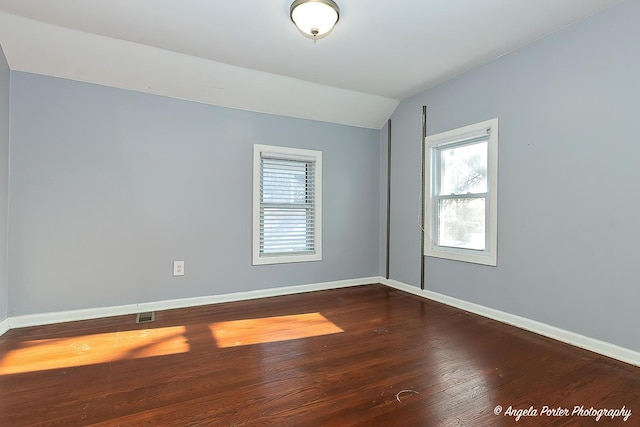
(247, 54)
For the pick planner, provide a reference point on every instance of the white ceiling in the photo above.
(247, 54)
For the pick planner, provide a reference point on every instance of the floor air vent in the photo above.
(146, 317)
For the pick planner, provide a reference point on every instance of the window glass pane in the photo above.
(461, 223)
(463, 169)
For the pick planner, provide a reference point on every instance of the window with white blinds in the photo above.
(287, 209)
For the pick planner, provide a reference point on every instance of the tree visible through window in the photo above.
(461, 195)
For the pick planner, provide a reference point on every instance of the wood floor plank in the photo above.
(366, 356)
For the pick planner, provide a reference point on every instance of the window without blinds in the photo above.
(287, 211)
(461, 219)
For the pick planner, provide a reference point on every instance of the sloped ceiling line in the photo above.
(41, 48)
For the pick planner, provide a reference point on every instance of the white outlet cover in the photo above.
(178, 268)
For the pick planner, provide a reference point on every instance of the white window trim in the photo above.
(293, 154)
(431, 249)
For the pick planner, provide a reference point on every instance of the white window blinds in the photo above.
(287, 187)
(287, 208)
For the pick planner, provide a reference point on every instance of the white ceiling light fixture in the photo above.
(315, 18)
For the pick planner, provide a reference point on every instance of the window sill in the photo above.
(285, 259)
(464, 257)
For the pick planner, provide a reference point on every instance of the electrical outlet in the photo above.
(178, 268)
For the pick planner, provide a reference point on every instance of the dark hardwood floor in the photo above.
(368, 355)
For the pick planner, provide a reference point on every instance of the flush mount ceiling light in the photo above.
(315, 18)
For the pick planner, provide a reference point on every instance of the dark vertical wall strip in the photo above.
(388, 251)
(5, 115)
(423, 194)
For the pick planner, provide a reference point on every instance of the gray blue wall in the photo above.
(4, 179)
(569, 227)
(110, 186)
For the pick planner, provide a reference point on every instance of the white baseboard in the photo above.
(577, 340)
(96, 313)
(4, 326)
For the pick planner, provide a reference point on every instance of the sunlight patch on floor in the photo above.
(82, 350)
(272, 329)
(92, 349)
